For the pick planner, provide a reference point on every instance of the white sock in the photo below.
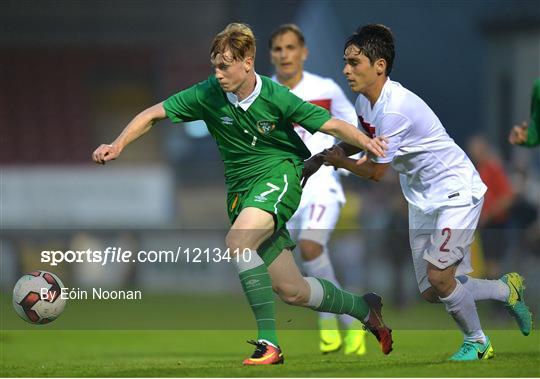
(321, 267)
(485, 289)
(316, 292)
(246, 262)
(460, 305)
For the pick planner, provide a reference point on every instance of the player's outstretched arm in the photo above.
(352, 136)
(363, 167)
(136, 128)
(313, 164)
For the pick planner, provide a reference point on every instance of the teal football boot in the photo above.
(515, 304)
(473, 351)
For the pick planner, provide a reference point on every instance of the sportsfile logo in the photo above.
(119, 255)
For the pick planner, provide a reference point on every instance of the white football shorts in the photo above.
(315, 220)
(442, 238)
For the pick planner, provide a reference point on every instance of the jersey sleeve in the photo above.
(341, 107)
(393, 126)
(533, 132)
(310, 116)
(184, 106)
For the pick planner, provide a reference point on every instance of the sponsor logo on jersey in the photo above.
(265, 126)
(225, 120)
(303, 133)
(260, 199)
(451, 196)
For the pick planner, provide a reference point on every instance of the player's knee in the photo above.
(436, 279)
(290, 294)
(241, 239)
(441, 281)
(430, 296)
(236, 241)
(310, 250)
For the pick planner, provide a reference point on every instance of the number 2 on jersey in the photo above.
(448, 233)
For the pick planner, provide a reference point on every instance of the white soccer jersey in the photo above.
(433, 170)
(327, 94)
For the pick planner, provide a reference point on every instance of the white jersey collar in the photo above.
(384, 93)
(275, 79)
(246, 103)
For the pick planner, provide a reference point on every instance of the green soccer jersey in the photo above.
(251, 141)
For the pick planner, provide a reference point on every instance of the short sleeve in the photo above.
(392, 126)
(184, 106)
(310, 116)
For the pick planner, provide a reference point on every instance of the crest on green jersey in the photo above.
(265, 126)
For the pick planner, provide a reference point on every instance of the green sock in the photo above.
(258, 289)
(336, 300)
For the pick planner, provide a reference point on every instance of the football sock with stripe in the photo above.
(257, 287)
(321, 267)
(326, 297)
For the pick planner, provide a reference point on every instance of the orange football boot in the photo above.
(375, 323)
(264, 354)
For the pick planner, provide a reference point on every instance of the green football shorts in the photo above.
(278, 192)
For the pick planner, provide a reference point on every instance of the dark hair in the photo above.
(375, 41)
(282, 29)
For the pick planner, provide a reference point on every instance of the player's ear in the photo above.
(380, 66)
(248, 63)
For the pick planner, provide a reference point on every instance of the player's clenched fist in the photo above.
(105, 153)
(335, 156)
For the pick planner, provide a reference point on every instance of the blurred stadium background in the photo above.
(73, 73)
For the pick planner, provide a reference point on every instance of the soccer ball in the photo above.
(36, 297)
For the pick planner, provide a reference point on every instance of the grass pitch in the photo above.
(212, 353)
(186, 345)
